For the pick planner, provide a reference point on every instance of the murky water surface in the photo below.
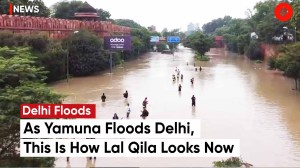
(236, 98)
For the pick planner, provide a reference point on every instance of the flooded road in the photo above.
(235, 99)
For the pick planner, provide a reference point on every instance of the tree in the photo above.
(210, 27)
(236, 35)
(266, 24)
(104, 15)
(86, 54)
(199, 42)
(293, 71)
(66, 9)
(141, 40)
(20, 82)
(288, 61)
(254, 51)
(161, 46)
(127, 23)
(54, 60)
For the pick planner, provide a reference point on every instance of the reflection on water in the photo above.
(235, 98)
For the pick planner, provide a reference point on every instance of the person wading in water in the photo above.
(115, 116)
(125, 94)
(145, 102)
(193, 100)
(192, 81)
(145, 113)
(174, 78)
(128, 111)
(179, 88)
(103, 97)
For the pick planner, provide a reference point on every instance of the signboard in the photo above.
(117, 43)
(173, 39)
(154, 39)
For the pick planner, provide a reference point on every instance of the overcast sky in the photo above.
(171, 14)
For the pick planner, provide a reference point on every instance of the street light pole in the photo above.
(295, 34)
(110, 61)
(68, 66)
(173, 50)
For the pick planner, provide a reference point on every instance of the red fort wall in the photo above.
(58, 28)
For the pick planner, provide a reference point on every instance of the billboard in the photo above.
(154, 39)
(173, 39)
(117, 43)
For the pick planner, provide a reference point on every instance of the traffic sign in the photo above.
(154, 39)
(173, 39)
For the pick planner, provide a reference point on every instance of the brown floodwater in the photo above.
(236, 98)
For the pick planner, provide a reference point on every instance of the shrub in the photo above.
(200, 57)
(254, 51)
(231, 162)
(272, 62)
(38, 42)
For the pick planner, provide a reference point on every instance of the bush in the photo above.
(21, 81)
(231, 162)
(38, 42)
(7, 39)
(254, 51)
(161, 46)
(200, 57)
(85, 53)
(54, 61)
(272, 62)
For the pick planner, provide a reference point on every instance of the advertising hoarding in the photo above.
(115, 43)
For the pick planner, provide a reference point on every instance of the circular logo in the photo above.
(283, 11)
(117, 40)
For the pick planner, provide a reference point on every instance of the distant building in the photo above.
(152, 28)
(192, 28)
(219, 42)
(86, 13)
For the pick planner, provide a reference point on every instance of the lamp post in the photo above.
(110, 61)
(68, 73)
(295, 34)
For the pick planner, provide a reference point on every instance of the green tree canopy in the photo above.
(20, 82)
(288, 61)
(210, 27)
(66, 10)
(199, 42)
(127, 23)
(86, 54)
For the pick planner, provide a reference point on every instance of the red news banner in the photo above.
(58, 111)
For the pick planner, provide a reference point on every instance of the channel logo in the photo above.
(117, 40)
(283, 11)
(22, 9)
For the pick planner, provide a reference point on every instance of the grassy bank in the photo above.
(200, 57)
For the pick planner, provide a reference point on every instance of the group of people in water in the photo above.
(144, 114)
(192, 81)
